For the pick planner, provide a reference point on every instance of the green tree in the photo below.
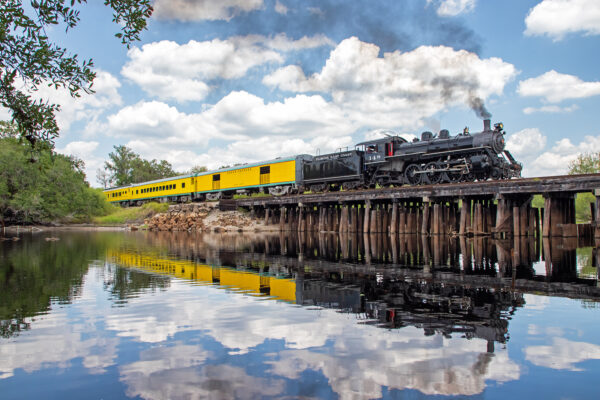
(54, 188)
(197, 169)
(126, 167)
(29, 59)
(120, 165)
(586, 163)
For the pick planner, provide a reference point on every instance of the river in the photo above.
(145, 315)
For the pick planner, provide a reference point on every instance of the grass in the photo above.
(120, 216)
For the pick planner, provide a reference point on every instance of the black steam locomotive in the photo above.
(440, 158)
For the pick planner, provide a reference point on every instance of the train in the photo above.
(389, 161)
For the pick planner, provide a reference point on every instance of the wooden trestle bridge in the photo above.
(497, 208)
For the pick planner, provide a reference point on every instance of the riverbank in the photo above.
(193, 217)
(205, 217)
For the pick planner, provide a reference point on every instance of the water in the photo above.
(156, 316)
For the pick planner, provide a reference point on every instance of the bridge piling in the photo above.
(354, 219)
(394, 218)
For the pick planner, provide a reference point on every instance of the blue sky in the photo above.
(220, 82)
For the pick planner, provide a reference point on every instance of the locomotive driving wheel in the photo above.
(413, 174)
(433, 174)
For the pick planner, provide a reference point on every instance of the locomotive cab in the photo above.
(376, 151)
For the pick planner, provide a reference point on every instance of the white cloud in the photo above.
(526, 144)
(168, 70)
(184, 72)
(555, 87)
(557, 18)
(375, 134)
(79, 149)
(5, 114)
(57, 338)
(83, 108)
(280, 8)
(562, 354)
(301, 124)
(238, 115)
(179, 372)
(398, 89)
(528, 147)
(450, 8)
(84, 151)
(200, 10)
(550, 109)
(538, 303)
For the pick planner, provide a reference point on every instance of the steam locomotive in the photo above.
(383, 162)
(433, 159)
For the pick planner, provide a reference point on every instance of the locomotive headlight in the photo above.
(499, 126)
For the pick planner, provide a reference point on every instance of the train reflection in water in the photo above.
(468, 287)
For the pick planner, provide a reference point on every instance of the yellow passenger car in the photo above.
(230, 278)
(275, 176)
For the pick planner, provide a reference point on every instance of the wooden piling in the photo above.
(435, 223)
(353, 225)
(394, 218)
(367, 219)
(425, 220)
(402, 218)
(282, 217)
(464, 214)
(373, 222)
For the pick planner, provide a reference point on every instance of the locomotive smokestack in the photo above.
(487, 125)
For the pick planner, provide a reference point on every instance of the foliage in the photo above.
(586, 163)
(198, 169)
(126, 167)
(53, 188)
(120, 216)
(583, 211)
(29, 59)
(538, 201)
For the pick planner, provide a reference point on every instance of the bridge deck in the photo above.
(514, 187)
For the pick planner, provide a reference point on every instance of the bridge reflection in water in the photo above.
(440, 284)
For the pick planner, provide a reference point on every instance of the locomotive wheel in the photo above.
(470, 177)
(496, 173)
(412, 174)
(433, 177)
(453, 176)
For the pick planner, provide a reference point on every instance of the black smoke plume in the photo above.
(477, 105)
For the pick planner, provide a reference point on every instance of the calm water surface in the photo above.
(166, 316)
